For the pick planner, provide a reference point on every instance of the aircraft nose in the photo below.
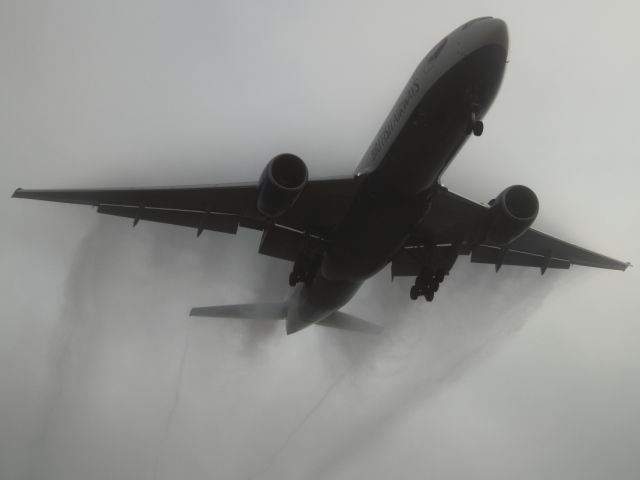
(496, 32)
(483, 31)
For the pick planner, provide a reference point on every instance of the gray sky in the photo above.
(103, 375)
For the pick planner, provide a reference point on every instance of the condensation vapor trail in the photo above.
(174, 404)
(300, 425)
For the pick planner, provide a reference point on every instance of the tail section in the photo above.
(252, 311)
(278, 311)
(344, 321)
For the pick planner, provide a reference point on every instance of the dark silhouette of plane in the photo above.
(339, 232)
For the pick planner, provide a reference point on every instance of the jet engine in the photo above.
(511, 213)
(281, 183)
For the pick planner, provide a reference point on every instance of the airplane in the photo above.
(338, 232)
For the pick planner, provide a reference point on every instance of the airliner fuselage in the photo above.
(443, 103)
(338, 232)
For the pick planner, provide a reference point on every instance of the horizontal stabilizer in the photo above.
(344, 321)
(252, 311)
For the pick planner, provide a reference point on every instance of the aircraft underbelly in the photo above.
(432, 130)
(427, 127)
(316, 302)
(376, 227)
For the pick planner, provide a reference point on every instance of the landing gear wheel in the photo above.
(428, 295)
(413, 293)
(434, 286)
(477, 128)
(293, 279)
(439, 275)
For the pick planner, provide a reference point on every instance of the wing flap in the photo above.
(534, 241)
(201, 220)
(281, 243)
(409, 260)
(498, 257)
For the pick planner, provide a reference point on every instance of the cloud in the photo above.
(103, 371)
(161, 392)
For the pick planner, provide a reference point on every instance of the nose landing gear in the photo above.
(477, 128)
(475, 125)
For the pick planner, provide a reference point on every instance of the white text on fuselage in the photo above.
(391, 124)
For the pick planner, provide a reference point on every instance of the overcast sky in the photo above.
(509, 375)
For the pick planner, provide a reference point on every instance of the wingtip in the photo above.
(16, 192)
(199, 312)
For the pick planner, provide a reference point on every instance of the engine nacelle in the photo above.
(281, 183)
(511, 213)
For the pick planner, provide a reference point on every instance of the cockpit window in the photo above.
(437, 49)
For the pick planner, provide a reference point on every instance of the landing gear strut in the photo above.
(305, 269)
(476, 126)
(294, 278)
(437, 263)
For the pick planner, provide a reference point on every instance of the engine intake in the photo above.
(281, 183)
(511, 214)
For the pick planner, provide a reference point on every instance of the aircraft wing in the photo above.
(452, 219)
(220, 208)
(455, 220)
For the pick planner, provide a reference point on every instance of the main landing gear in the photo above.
(427, 284)
(296, 277)
(305, 268)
